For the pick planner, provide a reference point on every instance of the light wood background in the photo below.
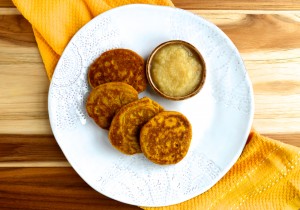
(34, 174)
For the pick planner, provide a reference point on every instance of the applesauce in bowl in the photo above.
(176, 70)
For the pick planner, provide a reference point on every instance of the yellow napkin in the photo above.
(54, 22)
(266, 176)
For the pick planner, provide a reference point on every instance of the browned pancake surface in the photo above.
(106, 99)
(121, 65)
(125, 126)
(165, 139)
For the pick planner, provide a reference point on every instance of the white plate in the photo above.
(221, 114)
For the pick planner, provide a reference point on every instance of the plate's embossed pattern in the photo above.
(134, 179)
(222, 61)
(158, 184)
(69, 83)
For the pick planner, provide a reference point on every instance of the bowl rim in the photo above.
(195, 51)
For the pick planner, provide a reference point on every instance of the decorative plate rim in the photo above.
(233, 159)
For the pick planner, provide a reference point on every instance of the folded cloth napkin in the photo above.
(54, 22)
(267, 174)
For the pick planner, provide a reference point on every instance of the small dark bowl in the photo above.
(195, 52)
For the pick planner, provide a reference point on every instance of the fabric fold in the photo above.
(55, 22)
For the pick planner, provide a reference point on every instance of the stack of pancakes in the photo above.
(135, 125)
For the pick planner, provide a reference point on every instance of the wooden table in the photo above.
(34, 174)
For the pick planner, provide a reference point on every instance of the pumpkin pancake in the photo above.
(125, 126)
(118, 65)
(166, 138)
(106, 99)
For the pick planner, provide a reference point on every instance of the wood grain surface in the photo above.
(34, 173)
(50, 188)
(221, 4)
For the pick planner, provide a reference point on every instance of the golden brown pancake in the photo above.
(106, 99)
(118, 65)
(166, 138)
(125, 126)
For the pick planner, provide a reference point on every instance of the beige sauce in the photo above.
(176, 71)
